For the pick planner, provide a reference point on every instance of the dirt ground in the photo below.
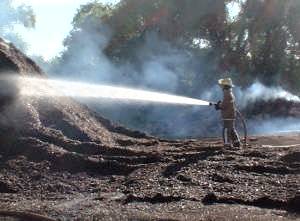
(152, 179)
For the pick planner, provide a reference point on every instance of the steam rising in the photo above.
(258, 91)
(158, 65)
(59, 88)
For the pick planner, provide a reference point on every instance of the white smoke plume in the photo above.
(258, 91)
(157, 66)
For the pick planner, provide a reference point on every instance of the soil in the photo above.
(61, 161)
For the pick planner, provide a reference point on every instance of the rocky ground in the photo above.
(62, 161)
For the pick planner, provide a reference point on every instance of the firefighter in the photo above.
(228, 112)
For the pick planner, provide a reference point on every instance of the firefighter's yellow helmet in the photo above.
(226, 82)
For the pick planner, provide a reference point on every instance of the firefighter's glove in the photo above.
(218, 105)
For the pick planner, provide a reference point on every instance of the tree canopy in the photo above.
(262, 42)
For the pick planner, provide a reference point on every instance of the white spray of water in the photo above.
(59, 88)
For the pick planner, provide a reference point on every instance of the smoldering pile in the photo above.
(272, 108)
(259, 100)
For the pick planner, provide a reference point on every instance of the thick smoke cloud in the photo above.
(161, 64)
(85, 61)
(159, 67)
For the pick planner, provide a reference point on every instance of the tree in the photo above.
(9, 16)
(264, 39)
(261, 43)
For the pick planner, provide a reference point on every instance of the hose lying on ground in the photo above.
(244, 127)
(25, 216)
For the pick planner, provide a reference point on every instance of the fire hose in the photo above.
(243, 122)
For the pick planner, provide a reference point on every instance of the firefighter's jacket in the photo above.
(227, 106)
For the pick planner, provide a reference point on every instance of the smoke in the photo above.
(268, 123)
(256, 96)
(273, 125)
(258, 91)
(161, 64)
(84, 60)
(157, 65)
(154, 64)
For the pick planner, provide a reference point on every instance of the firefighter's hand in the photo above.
(218, 105)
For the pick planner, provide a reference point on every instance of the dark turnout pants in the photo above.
(230, 134)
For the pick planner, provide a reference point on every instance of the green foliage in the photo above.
(9, 16)
(94, 13)
(15, 15)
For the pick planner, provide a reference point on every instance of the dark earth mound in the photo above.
(60, 160)
(274, 108)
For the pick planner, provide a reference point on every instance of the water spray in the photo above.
(37, 87)
(14, 85)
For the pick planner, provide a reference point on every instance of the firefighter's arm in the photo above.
(218, 105)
